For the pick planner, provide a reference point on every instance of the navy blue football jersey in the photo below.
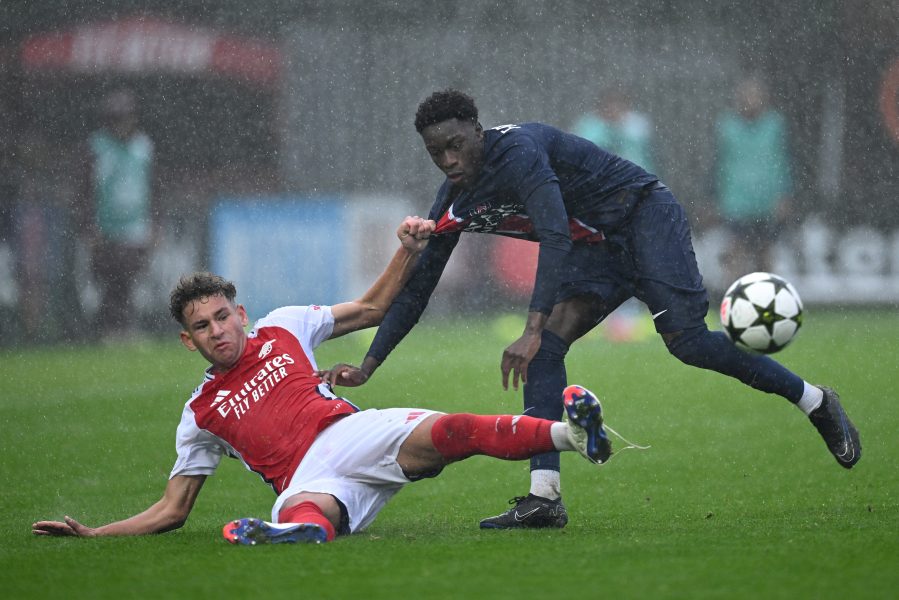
(537, 183)
(519, 159)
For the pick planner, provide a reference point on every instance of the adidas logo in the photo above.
(221, 395)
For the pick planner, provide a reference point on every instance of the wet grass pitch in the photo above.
(737, 497)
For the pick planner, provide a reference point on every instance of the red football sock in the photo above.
(510, 437)
(307, 512)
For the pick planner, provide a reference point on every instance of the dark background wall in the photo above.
(354, 84)
(355, 71)
(340, 121)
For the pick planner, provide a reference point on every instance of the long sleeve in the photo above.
(547, 213)
(411, 302)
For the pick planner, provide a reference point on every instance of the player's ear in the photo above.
(242, 313)
(187, 341)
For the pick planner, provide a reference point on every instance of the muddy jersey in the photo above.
(268, 408)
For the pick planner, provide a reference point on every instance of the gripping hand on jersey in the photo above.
(414, 232)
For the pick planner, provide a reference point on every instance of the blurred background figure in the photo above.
(10, 173)
(615, 126)
(117, 211)
(753, 177)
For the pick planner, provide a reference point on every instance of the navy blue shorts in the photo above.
(650, 257)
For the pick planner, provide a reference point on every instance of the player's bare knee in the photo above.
(417, 453)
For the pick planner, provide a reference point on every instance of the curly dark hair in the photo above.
(201, 284)
(443, 106)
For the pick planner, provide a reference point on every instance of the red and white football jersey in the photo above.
(267, 409)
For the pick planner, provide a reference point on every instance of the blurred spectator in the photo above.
(616, 127)
(9, 192)
(117, 210)
(8, 168)
(31, 224)
(753, 177)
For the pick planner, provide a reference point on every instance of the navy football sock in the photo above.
(713, 350)
(543, 391)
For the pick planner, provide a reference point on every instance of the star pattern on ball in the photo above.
(771, 322)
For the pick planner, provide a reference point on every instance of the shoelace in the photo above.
(630, 444)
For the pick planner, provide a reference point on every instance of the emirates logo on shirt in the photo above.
(266, 348)
(254, 389)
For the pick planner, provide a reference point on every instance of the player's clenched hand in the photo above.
(343, 374)
(70, 527)
(414, 233)
(517, 357)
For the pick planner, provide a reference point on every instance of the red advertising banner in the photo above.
(143, 46)
(889, 100)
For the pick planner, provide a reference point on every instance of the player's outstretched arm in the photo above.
(368, 311)
(169, 513)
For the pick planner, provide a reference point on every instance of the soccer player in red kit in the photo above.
(333, 466)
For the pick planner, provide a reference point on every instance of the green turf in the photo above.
(737, 498)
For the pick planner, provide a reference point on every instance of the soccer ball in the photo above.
(762, 312)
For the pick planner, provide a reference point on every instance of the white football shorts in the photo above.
(354, 460)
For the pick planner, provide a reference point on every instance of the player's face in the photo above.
(457, 148)
(214, 327)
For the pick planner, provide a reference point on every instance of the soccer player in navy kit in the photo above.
(608, 230)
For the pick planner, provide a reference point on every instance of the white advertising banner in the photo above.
(826, 263)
